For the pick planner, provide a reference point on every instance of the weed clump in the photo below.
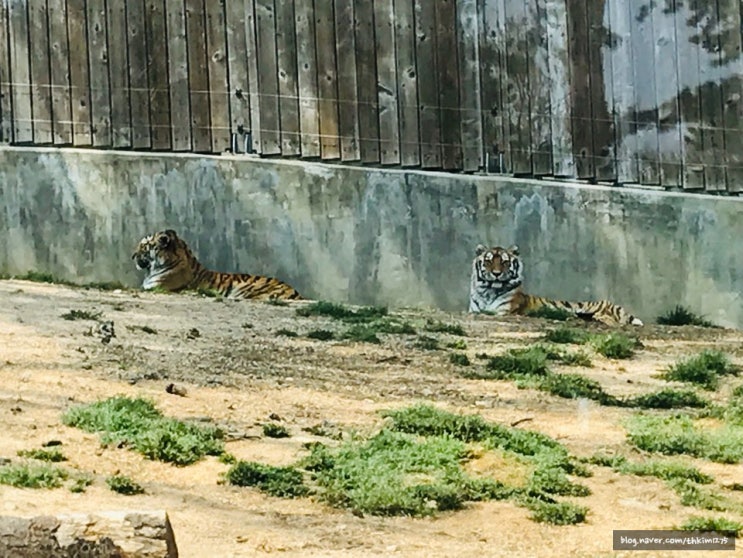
(550, 313)
(615, 345)
(567, 335)
(80, 315)
(320, 335)
(460, 359)
(124, 485)
(275, 430)
(51, 456)
(284, 482)
(668, 399)
(723, 524)
(435, 326)
(703, 369)
(32, 475)
(680, 316)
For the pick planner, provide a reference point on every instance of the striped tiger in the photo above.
(171, 265)
(497, 275)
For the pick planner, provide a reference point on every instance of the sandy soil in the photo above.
(237, 372)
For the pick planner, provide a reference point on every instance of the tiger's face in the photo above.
(155, 249)
(498, 265)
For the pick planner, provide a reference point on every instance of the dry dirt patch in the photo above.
(237, 372)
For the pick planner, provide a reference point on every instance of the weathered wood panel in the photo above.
(41, 95)
(286, 60)
(580, 88)
(493, 82)
(469, 85)
(20, 72)
(237, 66)
(77, 31)
(139, 89)
(428, 89)
(157, 74)
(180, 121)
(268, 84)
(309, 111)
(327, 80)
(389, 124)
(366, 81)
(59, 62)
(251, 44)
(219, 99)
(447, 67)
(558, 62)
(407, 82)
(345, 51)
(198, 77)
(6, 114)
(121, 126)
(732, 92)
(602, 125)
(539, 87)
(100, 90)
(517, 88)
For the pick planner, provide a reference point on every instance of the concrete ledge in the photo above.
(370, 235)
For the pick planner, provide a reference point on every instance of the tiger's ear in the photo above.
(514, 250)
(480, 249)
(164, 239)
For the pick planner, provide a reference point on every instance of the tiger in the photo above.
(497, 275)
(171, 265)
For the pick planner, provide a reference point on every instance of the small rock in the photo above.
(52, 443)
(193, 333)
(176, 390)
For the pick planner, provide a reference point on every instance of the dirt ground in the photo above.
(237, 372)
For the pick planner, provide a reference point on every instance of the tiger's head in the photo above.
(497, 265)
(165, 258)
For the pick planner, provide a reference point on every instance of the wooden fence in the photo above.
(622, 91)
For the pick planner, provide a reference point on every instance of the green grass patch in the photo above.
(567, 335)
(458, 344)
(124, 485)
(614, 345)
(283, 482)
(138, 424)
(550, 313)
(668, 399)
(557, 513)
(680, 316)
(703, 369)
(392, 326)
(362, 334)
(320, 335)
(32, 475)
(697, 523)
(49, 455)
(436, 326)
(285, 333)
(275, 430)
(679, 434)
(696, 496)
(80, 315)
(273, 301)
(518, 362)
(663, 469)
(81, 483)
(460, 359)
(341, 312)
(427, 343)
(575, 386)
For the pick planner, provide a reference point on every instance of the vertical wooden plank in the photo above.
(59, 53)
(690, 111)
(41, 95)
(493, 82)
(407, 82)
(563, 163)
(121, 126)
(20, 70)
(469, 85)
(539, 87)
(77, 30)
(448, 79)
(100, 94)
(602, 124)
(219, 99)
(198, 77)
(251, 45)
(139, 92)
(643, 58)
(180, 114)
(732, 91)
(711, 105)
(237, 67)
(623, 92)
(580, 87)
(268, 78)
(517, 86)
(327, 80)
(389, 138)
(286, 60)
(309, 112)
(366, 81)
(345, 51)
(428, 89)
(6, 115)
(157, 74)
(667, 97)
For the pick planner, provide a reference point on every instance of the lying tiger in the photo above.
(170, 265)
(497, 275)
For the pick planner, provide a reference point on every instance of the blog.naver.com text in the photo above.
(642, 539)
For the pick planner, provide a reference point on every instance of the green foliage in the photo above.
(696, 523)
(32, 475)
(81, 483)
(575, 386)
(80, 315)
(50, 455)
(285, 333)
(458, 344)
(320, 334)
(556, 513)
(124, 485)
(137, 423)
(459, 359)
(341, 312)
(427, 343)
(680, 316)
(283, 482)
(614, 345)
(698, 497)
(275, 430)
(518, 362)
(661, 469)
(436, 326)
(362, 334)
(565, 335)
(668, 399)
(550, 313)
(703, 369)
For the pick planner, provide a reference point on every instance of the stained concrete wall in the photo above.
(370, 235)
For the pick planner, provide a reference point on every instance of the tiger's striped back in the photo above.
(171, 265)
(496, 286)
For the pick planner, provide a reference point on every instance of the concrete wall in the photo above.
(370, 235)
